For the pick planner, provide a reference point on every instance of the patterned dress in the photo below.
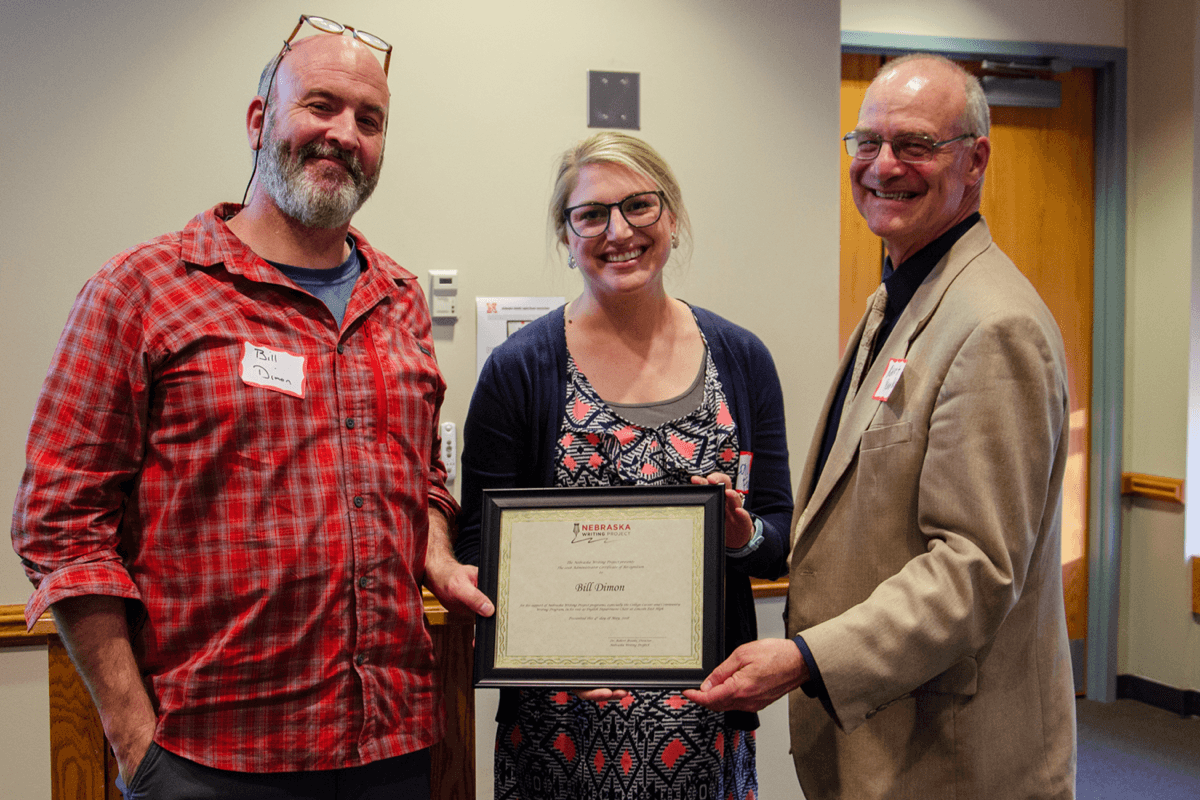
(651, 745)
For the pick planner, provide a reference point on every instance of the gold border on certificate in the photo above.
(618, 586)
(601, 587)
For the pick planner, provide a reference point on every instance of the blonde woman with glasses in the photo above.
(626, 385)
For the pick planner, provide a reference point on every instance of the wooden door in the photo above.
(1038, 200)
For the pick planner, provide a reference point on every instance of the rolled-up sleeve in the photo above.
(84, 451)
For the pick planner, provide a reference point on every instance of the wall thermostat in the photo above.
(443, 294)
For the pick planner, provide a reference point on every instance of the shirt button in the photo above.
(364, 582)
(350, 422)
(358, 502)
(341, 348)
(360, 659)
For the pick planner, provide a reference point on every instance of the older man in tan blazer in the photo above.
(930, 655)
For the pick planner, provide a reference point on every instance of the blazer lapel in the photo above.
(858, 414)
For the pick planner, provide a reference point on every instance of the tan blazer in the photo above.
(925, 563)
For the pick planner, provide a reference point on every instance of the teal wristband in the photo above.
(756, 539)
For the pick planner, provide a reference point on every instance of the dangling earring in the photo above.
(674, 240)
(571, 261)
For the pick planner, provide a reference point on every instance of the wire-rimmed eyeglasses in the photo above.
(326, 25)
(911, 148)
(640, 210)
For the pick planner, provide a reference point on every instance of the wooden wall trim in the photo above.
(1196, 584)
(1154, 487)
(14, 634)
(12, 628)
(763, 588)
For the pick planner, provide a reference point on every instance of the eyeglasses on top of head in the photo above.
(640, 210)
(326, 25)
(911, 148)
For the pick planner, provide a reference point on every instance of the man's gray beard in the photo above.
(295, 194)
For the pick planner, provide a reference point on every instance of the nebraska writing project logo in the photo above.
(602, 532)
(491, 308)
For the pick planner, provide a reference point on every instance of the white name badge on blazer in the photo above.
(891, 377)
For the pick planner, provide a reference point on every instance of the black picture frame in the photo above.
(690, 514)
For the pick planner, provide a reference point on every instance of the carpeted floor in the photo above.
(1129, 750)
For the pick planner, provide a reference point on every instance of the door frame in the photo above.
(1108, 314)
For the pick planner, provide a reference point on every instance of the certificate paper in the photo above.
(615, 587)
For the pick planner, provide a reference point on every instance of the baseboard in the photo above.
(1184, 702)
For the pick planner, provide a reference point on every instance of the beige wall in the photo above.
(1192, 486)
(1159, 235)
(1159, 638)
(25, 736)
(146, 129)
(1090, 22)
(123, 121)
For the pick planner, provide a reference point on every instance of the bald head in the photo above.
(324, 50)
(974, 116)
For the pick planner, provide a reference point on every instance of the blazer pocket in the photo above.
(874, 438)
(962, 678)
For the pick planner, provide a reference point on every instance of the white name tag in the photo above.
(742, 486)
(273, 369)
(895, 368)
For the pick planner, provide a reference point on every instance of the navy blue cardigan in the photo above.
(517, 410)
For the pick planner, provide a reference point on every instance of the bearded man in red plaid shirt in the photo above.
(233, 495)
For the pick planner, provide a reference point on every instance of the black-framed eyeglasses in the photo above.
(640, 210)
(911, 148)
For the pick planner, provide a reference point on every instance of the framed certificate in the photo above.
(619, 587)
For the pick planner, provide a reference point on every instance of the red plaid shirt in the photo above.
(272, 529)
